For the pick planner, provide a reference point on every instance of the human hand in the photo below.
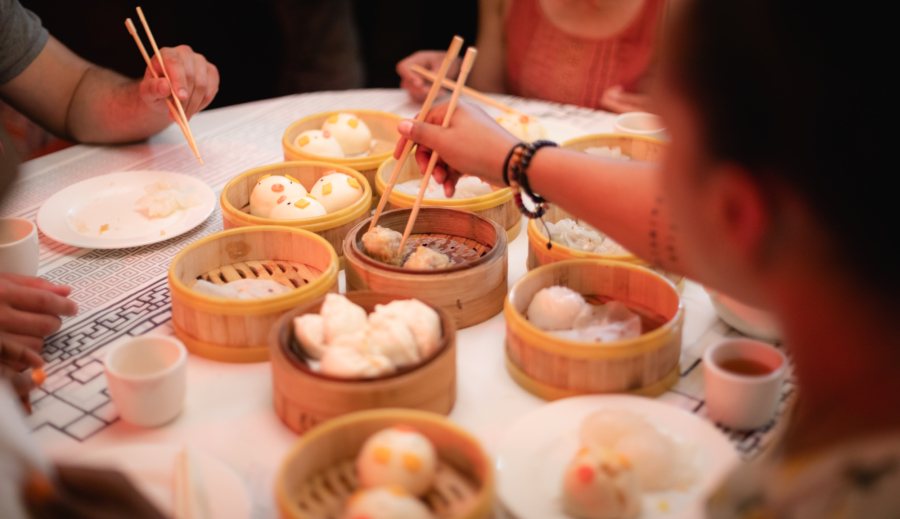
(30, 308)
(13, 359)
(86, 493)
(413, 83)
(195, 80)
(616, 99)
(473, 144)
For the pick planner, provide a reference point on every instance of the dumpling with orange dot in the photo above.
(599, 484)
(351, 133)
(272, 190)
(297, 208)
(321, 143)
(524, 127)
(336, 191)
(400, 456)
(385, 503)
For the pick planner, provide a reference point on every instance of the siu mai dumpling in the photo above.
(428, 259)
(383, 244)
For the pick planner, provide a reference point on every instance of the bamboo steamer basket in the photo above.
(235, 201)
(498, 207)
(471, 291)
(304, 399)
(318, 476)
(237, 330)
(552, 367)
(383, 126)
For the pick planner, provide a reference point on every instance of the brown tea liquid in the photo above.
(745, 367)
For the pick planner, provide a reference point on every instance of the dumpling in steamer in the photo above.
(341, 316)
(383, 244)
(321, 143)
(309, 329)
(555, 308)
(385, 503)
(425, 258)
(336, 191)
(351, 132)
(295, 209)
(523, 127)
(422, 320)
(398, 456)
(271, 190)
(392, 338)
(600, 485)
(348, 362)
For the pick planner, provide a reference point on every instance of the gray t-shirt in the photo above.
(22, 38)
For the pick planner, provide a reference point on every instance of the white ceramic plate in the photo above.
(744, 318)
(559, 132)
(537, 448)
(151, 469)
(110, 200)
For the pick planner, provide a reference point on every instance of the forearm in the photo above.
(622, 199)
(107, 108)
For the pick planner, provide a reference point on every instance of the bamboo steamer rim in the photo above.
(448, 336)
(478, 203)
(352, 243)
(367, 162)
(646, 342)
(220, 353)
(283, 493)
(314, 224)
(549, 392)
(560, 252)
(225, 306)
(585, 138)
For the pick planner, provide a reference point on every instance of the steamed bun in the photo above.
(600, 485)
(398, 456)
(385, 503)
(336, 191)
(271, 190)
(321, 143)
(297, 208)
(523, 127)
(351, 133)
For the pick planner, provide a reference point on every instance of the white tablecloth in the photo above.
(229, 413)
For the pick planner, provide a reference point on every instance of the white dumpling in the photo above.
(523, 127)
(351, 133)
(297, 208)
(398, 456)
(257, 288)
(425, 258)
(341, 316)
(609, 246)
(600, 485)
(310, 333)
(347, 362)
(321, 143)
(555, 308)
(422, 320)
(603, 429)
(271, 190)
(434, 190)
(392, 338)
(385, 503)
(383, 244)
(470, 187)
(336, 191)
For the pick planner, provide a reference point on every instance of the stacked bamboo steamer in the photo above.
(235, 201)
(317, 477)
(238, 330)
(471, 291)
(498, 207)
(552, 367)
(304, 399)
(383, 126)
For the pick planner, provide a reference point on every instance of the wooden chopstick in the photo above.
(452, 52)
(189, 494)
(137, 39)
(464, 70)
(162, 65)
(471, 92)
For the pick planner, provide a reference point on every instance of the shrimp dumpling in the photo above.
(422, 320)
(600, 485)
(309, 329)
(341, 316)
(346, 361)
(383, 244)
(425, 258)
(392, 338)
(555, 308)
(400, 456)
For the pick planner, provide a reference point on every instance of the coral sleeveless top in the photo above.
(543, 62)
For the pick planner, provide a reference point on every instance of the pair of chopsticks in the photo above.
(189, 493)
(176, 110)
(471, 92)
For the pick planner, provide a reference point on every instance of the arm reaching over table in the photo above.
(30, 309)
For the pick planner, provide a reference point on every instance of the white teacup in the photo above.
(742, 379)
(147, 379)
(641, 123)
(19, 251)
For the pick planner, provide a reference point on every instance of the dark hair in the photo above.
(801, 90)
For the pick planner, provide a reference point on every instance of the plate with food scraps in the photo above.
(126, 209)
(683, 455)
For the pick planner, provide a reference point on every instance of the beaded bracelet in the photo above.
(518, 162)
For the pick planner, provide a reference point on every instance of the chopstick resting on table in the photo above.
(189, 494)
(467, 63)
(471, 92)
(452, 52)
(177, 111)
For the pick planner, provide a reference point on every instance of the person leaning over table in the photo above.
(593, 53)
(78, 101)
(772, 193)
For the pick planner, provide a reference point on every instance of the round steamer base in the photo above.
(548, 392)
